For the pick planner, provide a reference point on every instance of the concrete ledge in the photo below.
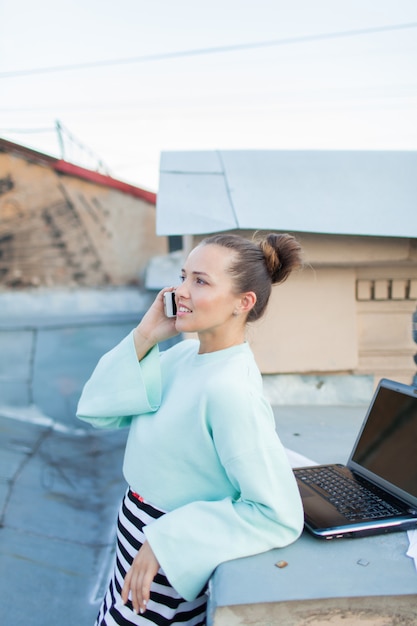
(292, 389)
(52, 339)
(368, 611)
(35, 307)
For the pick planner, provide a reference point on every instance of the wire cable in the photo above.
(206, 51)
(28, 131)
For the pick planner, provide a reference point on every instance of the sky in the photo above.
(130, 79)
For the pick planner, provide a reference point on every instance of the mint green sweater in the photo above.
(202, 446)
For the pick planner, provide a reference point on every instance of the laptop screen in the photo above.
(387, 444)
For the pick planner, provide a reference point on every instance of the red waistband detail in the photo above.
(137, 496)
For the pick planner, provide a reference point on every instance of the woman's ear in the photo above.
(247, 302)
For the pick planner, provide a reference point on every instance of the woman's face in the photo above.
(206, 301)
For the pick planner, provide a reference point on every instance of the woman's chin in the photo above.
(184, 325)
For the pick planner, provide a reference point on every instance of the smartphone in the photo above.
(170, 306)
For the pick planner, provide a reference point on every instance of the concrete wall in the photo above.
(58, 230)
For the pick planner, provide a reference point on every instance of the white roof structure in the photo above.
(330, 192)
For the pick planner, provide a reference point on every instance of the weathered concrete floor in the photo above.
(59, 493)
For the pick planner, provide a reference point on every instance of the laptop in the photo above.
(376, 491)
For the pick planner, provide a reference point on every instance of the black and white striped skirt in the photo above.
(165, 606)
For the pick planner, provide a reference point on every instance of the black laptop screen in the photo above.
(387, 445)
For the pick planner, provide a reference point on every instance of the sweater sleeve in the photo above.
(191, 541)
(121, 387)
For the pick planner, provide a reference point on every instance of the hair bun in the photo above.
(282, 255)
(257, 264)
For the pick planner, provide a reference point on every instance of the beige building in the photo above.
(349, 312)
(66, 226)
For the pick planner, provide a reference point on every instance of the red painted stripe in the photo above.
(101, 179)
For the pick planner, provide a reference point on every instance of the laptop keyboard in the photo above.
(352, 499)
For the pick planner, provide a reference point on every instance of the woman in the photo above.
(208, 478)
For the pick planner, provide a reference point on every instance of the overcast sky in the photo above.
(129, 79)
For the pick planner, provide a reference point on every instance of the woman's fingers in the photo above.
(133, 587)
(138, 579)
(126, 586)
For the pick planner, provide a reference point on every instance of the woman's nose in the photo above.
(180, 291)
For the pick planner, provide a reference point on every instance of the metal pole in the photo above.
(60, 138)
(414, 330)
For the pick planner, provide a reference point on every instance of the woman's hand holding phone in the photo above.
(155, 326)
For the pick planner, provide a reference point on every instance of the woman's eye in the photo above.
(200, 281)
(182, 278)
